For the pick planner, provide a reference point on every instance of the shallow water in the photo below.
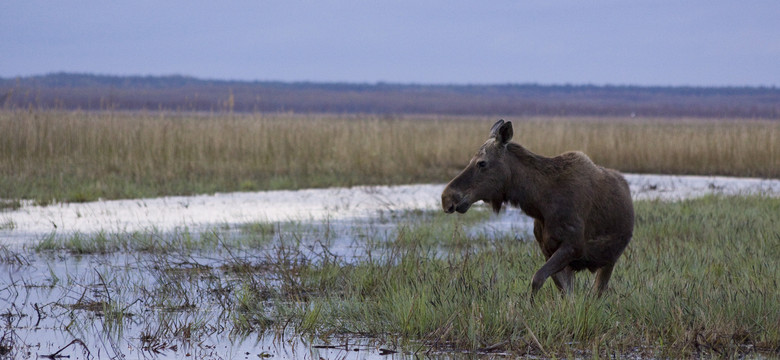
(147, 306)
(176, 304)
(30, 223)
(108, 306)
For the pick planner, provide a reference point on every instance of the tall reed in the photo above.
(81, 156)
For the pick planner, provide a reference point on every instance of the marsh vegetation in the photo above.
(82, 156)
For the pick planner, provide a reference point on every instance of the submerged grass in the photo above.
(82, 156)
(153, 241)
(259, 235)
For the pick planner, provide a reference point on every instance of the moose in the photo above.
(583, 213)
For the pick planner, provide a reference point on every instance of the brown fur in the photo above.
(583, 213)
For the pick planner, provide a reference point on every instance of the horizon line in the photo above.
(381, 82)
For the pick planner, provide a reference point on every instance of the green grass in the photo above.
(83, 156)
(700, 277)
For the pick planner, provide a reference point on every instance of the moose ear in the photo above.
(502, 131)
(494, 128)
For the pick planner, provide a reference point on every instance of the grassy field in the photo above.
(81, 156)
(700, 278)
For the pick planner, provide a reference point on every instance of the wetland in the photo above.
(199, 235)
(394, 278)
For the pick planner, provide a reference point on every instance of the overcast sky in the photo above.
(620, 42)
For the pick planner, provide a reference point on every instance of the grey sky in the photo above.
(624, 42)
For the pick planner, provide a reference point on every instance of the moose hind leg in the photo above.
(602, 279)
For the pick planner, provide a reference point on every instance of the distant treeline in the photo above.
(181, 93)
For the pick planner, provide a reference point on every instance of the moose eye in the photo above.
(481, 164)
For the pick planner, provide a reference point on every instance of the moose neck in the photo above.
(529, 178)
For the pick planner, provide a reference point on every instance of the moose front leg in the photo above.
(557, 262)
(561, 240)
(563, 279)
